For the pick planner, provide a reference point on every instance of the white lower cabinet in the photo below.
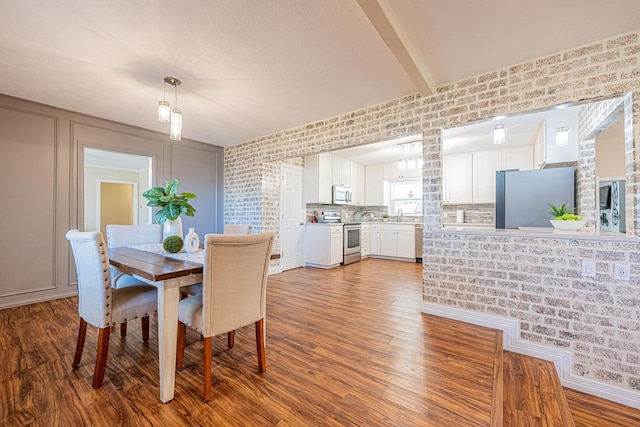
(323, 245)
(365, 246)
(393, 240)
(374, 239)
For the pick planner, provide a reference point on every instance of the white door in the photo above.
(292, 214)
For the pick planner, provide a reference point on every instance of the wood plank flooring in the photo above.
(345, 347)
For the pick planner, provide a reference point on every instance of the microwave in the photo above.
(340, 195)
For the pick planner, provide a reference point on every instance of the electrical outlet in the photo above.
(588, 268)
(621, 272)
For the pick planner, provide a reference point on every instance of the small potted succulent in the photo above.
(563, 219)
(172, 205)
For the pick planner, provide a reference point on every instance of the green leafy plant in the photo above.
(561, 213)
(171, 203)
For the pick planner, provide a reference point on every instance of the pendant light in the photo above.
(166, 114)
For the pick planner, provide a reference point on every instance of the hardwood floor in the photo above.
(346, 346)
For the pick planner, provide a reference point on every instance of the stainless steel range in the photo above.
(351, 251)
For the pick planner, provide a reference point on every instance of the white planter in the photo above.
(172, 228)
(567, 225)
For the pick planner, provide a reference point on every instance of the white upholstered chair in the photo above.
(228, 229)
(233, 296)
(238, 229)
(126, 235)
(101, 305)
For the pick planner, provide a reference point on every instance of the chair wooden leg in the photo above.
(231, 338)
(182, 340)
(262, 360)
(101, 358)
(123, 329)
(145, 328)
(82, 333)
(207, 369)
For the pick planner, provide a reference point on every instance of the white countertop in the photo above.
(540, 232)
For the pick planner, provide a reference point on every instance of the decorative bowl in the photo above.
(567, 225)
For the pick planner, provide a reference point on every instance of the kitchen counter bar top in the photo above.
(537, 232)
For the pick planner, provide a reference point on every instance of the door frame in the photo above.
(281, 227)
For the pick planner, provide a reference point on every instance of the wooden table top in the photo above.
(154, 267)
(151, 266)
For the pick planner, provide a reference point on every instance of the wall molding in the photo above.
(562, 359)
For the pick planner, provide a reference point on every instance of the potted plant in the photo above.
(563, 219)
(172, 205)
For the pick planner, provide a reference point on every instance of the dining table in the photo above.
(168, 274)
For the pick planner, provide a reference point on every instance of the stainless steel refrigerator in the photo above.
(523, 197)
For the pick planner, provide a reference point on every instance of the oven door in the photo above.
(351, 251)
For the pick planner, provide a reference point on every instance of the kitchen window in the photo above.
(405, 195)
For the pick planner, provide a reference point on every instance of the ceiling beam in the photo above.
(380, 14)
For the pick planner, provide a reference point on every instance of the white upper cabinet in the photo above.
(357, 184)
(341, 171)
(458, 178)
(391, 171)
(317, 178)
(485, 166)
(471, 177)
(550, 146)
(374, 185)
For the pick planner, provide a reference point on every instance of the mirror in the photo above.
(113, 187)
(579, 136)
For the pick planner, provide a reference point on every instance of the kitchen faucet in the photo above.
(398, 215)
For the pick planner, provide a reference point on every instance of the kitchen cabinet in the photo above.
(485, 165)
(323, 245)
(340, 171)
(391, 171)
(398, 241)
(392, 240)
(547, 150)
(317, 178)
(357, 184)
(374, 239)
(374, 185)
(471, 177)
(365, 233)
(458, 178)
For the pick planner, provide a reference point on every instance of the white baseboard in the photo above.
(560, 358)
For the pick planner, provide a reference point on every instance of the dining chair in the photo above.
(228, 229)
(234, 295)
(238, 229)
(101, 305)
(119, 236)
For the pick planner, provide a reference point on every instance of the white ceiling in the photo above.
(250, 68)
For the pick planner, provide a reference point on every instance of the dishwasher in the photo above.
(419, 236)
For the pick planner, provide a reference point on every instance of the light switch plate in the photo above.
(588, 268)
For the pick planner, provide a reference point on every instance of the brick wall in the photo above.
(535, 280)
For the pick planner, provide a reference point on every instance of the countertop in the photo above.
(540, 232)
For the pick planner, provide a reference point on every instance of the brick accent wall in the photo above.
(535, 280)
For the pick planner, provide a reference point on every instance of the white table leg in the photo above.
(168, 297)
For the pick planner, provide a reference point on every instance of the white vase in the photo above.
(191, 241)
(172, 228)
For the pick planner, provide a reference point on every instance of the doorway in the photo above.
(121, 178)
(116, 204)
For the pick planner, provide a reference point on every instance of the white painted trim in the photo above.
(37, 299)
(560, 358)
